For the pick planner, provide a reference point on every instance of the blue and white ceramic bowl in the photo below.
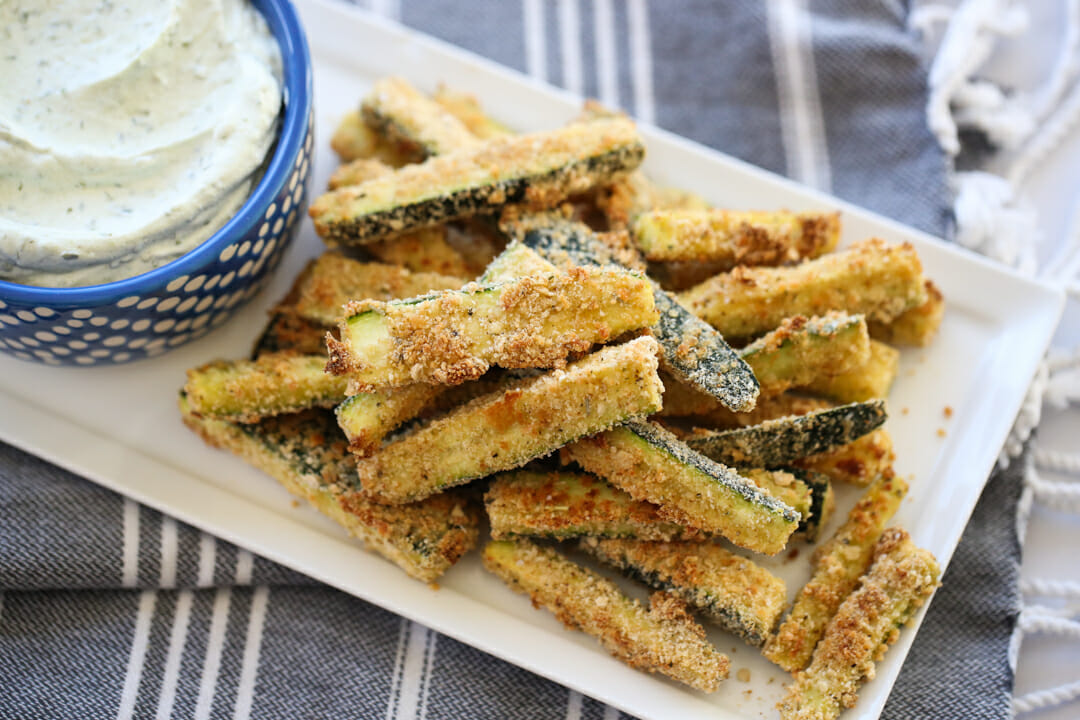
(148, 314)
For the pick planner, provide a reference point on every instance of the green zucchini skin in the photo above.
(777, 442)
(564, 504)
(441, 189)
(822, 503)
(307, 454)
(731, 591)
(691, 349)
(510, 427)
(650, 463)
(413, 121)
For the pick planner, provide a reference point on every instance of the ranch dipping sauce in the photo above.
(129, 132)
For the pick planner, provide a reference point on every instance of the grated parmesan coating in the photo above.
(413, 121)
(454, 336)
(335, 281)
(774, 443)
(692, 350)
(858, 462)
(732, 237)
(731, 591)
(274, 383)
(661, 639)
(872, 278)
(306, 453)
(470, 112)
(354, 140)
(508, 428)
(653, 465)
(838, 564)
(567, 504)
(537, 171)
(900, 580)
(916, 326)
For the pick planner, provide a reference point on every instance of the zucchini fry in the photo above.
(895, 587)
(537, 171)
(796, 354)
(506, 429)
(803, 350)
(354, 140)
(454, 336)
(288, 331)
(873, 379)
(424, 250)
(917, 326)
(357, 171)
(335, 281)
(683, 401)
(778, 442)
(822, 503)
(303, 453)
(662, 639)
(730, 591)
(858, 462)
(367, 418)
(838, 565)
(872, 278)
(567, 504)
(412, 121)
(653, 465)
(467, 109)
(731, 237)
(692, 351)
(275, 383)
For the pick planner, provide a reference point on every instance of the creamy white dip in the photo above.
(129, 131)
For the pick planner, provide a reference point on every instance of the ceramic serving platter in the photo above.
(119, 426)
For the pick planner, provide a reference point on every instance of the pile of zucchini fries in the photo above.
(524, 330)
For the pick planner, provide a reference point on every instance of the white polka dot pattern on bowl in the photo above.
(151, 320)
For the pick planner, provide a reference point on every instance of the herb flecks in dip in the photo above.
(129, 132)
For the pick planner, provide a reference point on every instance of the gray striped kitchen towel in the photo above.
(111, 610)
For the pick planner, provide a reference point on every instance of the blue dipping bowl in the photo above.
(148, 314)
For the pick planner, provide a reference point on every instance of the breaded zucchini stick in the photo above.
(692, 351)
(653, 465)
(468, 110)
(916, 326)
(569, 504)
(856, 463)
(822, 503)
(287, 331)
(779, 442)
(732, 237)
(872, 278)
(730, 591)
(454, 336)
(414, 122)
(306, 453)
(663, 639)
(803, 350)
(335, 281)
(838, 565)
(357, 171)
(901, 579)
(682, 401)
(536, 170)
(873, 379)
(275, 383)
(354, 140)
(367, 418)
(506, 429)
(424, 250)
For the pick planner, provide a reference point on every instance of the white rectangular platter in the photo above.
(119, 426)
